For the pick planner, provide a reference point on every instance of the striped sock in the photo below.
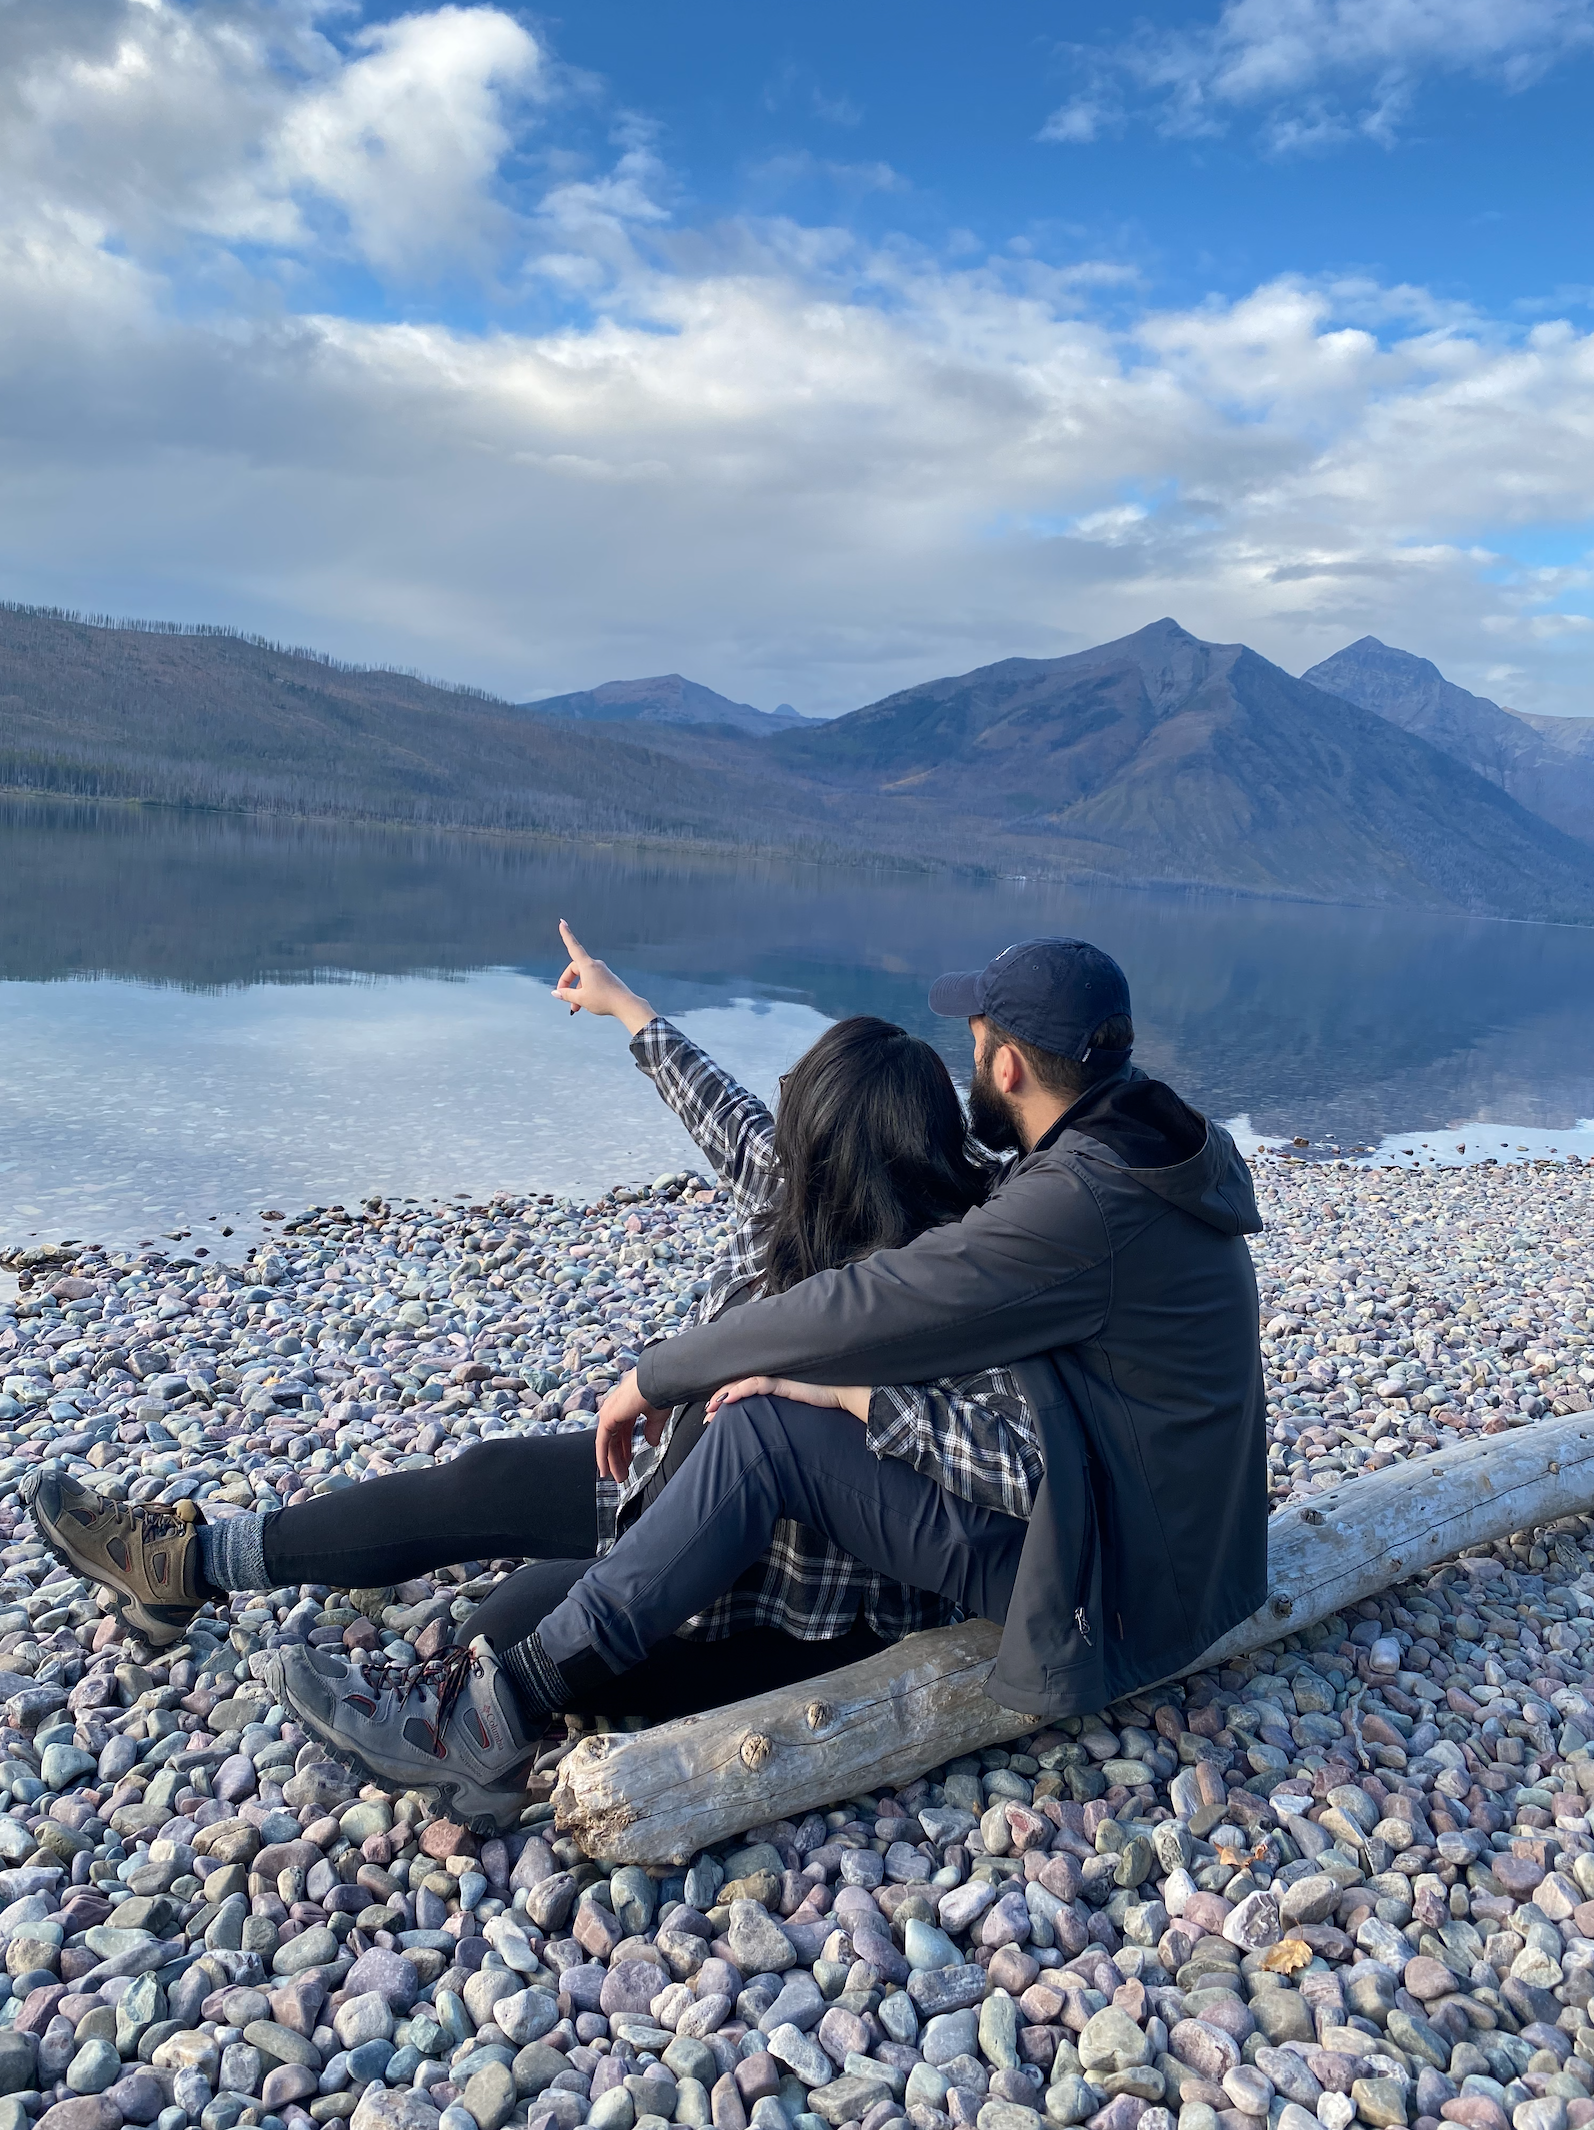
(538, 1682)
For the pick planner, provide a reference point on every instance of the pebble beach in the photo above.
(1349, 1879)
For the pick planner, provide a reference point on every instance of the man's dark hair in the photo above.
(1068, 1077)
(872, 1148)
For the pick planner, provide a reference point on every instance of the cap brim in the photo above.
(958, 997)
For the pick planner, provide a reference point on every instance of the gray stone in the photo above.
(527, 2015)
(1380, 2101)
(800, 2003)
(486, 1989)
(963, 1904)
(1283, 2015)
(1008, 2115)
(280, 2044)
(536, 2067)
(692, 2106)
(60, 1766)
(613, 2110)
(315, 1947)
(550, 1900)
(1111, 2041)
(381, 2108)
(788, 2044)
(949, 2034)
(1289, 2075)
(690, 2058)
(925, 1947)
(849, 2099)
(241, 2069)
(94, 2068)
(1549, 2113)
(635, 1897)
(137, 2096)
(1253, 1924)
(946, 1989)
(137, 2009)
(1249, 2089)
(1309, 1900)
(706, 2016)
(897, 2015)
(758, 1944)
(489, 2096)
(369, 2060)
(630, 1986)
(388, 1973)
(368, 2017)
(18, 2056)
(1070, 2100)
(999, 2030)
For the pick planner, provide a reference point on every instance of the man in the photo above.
(1109, 1262)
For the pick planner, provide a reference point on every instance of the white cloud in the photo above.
(160, 123)
(764, 454)
(1317, 72)
(407, 137)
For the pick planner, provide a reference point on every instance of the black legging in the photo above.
(532, 1499)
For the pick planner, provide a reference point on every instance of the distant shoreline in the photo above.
(699, 850)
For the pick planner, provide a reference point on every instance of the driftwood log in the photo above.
(659, 1796)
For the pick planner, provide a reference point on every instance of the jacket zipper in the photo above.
(1088, 1553)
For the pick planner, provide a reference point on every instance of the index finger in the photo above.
(578, 952)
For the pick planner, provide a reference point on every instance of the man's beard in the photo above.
(990, 1118)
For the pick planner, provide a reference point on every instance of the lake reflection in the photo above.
(270, 1013)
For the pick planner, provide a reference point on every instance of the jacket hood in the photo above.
(1168, 1147)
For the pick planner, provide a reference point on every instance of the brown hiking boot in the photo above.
(148, 1555)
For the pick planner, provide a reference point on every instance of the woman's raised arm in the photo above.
(730, 1124)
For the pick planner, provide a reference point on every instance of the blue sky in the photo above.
(810, 352)
(1471, 193)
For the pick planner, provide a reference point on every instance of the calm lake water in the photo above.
(203, 1018)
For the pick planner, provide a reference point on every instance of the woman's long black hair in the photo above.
(872, 1147)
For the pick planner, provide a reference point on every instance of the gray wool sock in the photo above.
(232, 1553)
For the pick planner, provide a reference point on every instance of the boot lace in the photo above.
(443, 1675)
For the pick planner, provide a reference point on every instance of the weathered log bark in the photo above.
(661, 1795)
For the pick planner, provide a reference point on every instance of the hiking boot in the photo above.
(450, 1724)
(149, 1556)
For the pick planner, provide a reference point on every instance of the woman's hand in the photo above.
(617, 1419)
(854, 1399)
(591, 986)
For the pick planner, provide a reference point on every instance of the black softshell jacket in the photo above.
(1110, 1263)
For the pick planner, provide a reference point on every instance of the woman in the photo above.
(869, 1148)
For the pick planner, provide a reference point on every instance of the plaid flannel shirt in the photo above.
(971, 1434)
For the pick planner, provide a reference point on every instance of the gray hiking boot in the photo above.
(149, 1555)
(450, 1724)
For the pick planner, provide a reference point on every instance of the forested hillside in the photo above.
(1157, 759)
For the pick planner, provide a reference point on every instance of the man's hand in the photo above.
(854, 1399)
(591, 986)
(617, 1419)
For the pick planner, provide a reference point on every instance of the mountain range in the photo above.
(1156, 759)
(665, 699)
(1541, 763)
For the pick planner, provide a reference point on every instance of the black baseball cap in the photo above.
(1054, 993)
